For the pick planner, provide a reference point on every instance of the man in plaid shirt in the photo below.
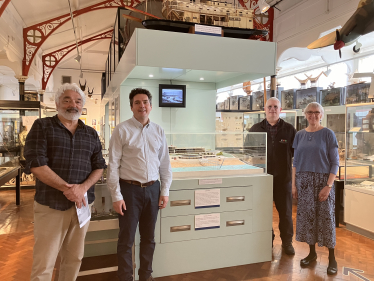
(65, 156)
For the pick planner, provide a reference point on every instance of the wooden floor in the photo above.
(353, 251)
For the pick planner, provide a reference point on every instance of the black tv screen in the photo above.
(172, 95)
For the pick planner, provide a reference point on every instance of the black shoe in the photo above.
(308, 260)
(288, 249)
(332, 269)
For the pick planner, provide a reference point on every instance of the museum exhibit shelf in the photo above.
(251, 118)
(359, 156)
(10, 168)
(220, 195)
(332, 97)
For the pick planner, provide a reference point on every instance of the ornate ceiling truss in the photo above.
(52, 59)
(34, 36)
(3, 5)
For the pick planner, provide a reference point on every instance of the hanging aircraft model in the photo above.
(360, 23)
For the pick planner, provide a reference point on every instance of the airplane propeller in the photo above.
(338, 43)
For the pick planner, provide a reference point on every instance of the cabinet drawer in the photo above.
(182, 228)
(182, 202)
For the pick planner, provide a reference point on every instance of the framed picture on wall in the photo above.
(84, 111)
(93, 121)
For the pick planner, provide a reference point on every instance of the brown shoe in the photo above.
(150, 278)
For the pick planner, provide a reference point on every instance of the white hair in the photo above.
(273, 98)
(314, 105)
(73, 87)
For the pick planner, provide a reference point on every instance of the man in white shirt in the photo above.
(138, 156)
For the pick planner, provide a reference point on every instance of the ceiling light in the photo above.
(263, 6)
(201, 78)
(150, 75)
(78, 58)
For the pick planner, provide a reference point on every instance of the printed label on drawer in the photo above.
(207, 198)
(210, 181)
(207, 221)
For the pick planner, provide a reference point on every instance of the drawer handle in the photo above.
(235, 198)
(180, 228)
(235, 223)
(180, 203)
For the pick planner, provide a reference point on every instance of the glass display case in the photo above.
(359, 183)
(229, 122)
(217, 154)
(16, 119)
(258, 100)
(332, 97)
(201, 156)
(306, 96)
(357, 93)
(251, 118)
(360, 146)
(287, 99)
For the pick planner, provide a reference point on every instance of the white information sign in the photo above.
(210, 181)
(208, 30)
(207, 221)
(207, 198)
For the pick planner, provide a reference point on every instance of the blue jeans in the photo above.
(141, 207)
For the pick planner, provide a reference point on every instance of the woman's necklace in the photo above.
(310, 134)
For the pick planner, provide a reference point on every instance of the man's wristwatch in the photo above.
(329, 185)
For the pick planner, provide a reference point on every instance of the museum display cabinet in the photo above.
(357, 93)
(229, 122)
(14, 116)
(359, 156)
(220, 195)
(10, 168)
(332, 97)
(287, 98)
(306, 96)
(251, 118)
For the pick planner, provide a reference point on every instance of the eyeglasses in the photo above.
(313, 112)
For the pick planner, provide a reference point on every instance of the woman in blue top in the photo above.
(316, 162)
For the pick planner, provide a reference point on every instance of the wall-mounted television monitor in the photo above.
(172, 95)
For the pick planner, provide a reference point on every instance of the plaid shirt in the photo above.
(272, 129)
(71, 157)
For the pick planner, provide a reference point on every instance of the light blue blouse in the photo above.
(316, 152)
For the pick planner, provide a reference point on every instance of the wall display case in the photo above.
(359, 183)
(258, 100)
(306, 96)
(221, 105)
(332, 97)
(287, 99)
(229, 122)
(357, 93)
(251, 118)
(10, 169)
(14, 116)
(234, 102)
(245, 103)
(227, 104)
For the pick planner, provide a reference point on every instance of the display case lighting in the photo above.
(201, 78)
(150, 75)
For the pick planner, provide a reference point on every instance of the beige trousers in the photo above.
(57, 232)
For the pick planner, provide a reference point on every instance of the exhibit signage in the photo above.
(210, 181)
(207, 221)
(208, 30)
(207, 198)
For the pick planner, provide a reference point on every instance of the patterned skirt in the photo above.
(315, 221)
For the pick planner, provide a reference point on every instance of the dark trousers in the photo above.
(141, 207)
(282, 196)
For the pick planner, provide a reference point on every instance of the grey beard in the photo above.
(69, 115)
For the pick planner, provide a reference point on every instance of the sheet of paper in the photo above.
(207, 198)
(28, 121)
(84, 213)
(207, 221)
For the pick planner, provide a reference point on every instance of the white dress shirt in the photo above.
(140, 154)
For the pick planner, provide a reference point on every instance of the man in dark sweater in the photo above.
(280, 136)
